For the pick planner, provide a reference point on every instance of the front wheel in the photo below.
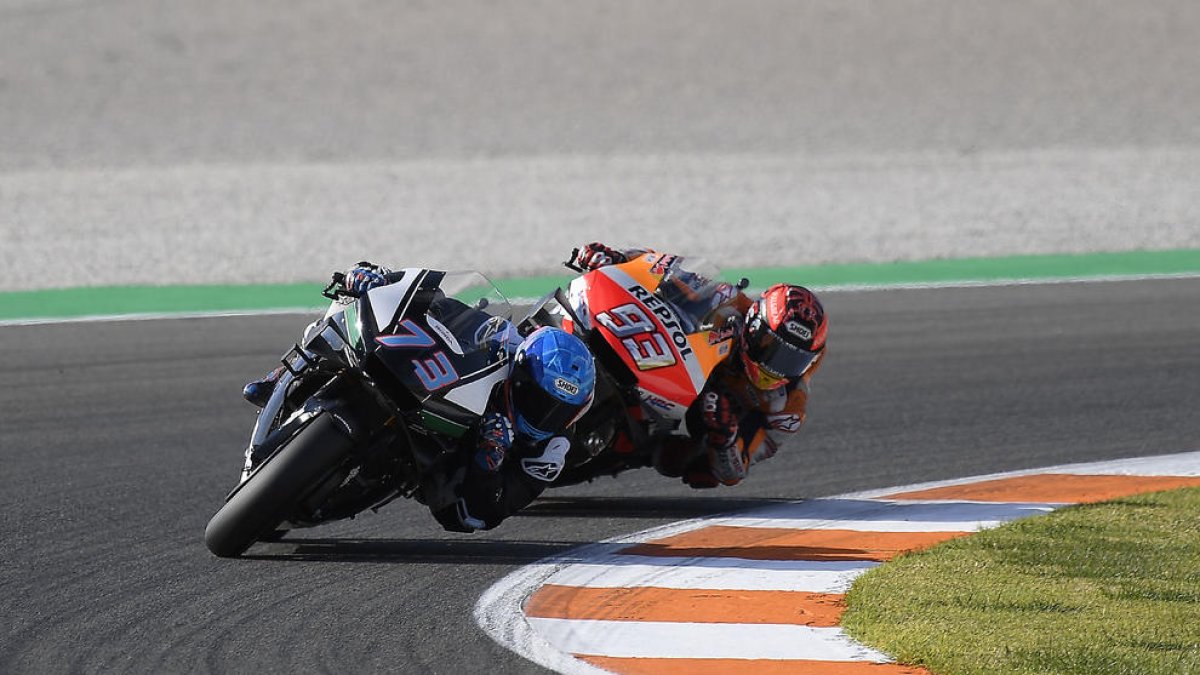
(276, 488)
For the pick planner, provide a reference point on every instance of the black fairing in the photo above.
(416, 365)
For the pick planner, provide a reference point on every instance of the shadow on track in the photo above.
(641, 507)
(437, 551)
(297, 547)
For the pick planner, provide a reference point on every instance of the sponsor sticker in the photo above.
(445, 334)
(655, 401)
(549, 464)
(774, 308)
(663, 264)
(665, 316)
(566, 387)
(719, 335)
(801, 331)
(787, 423)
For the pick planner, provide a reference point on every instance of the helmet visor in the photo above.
(777, 357)
(540, 413)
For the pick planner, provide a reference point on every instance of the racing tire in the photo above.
(276, 488)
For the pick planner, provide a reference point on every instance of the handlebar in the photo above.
(336, 290)
(570, 264)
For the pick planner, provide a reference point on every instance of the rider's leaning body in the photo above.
(753, 399)
(519, 445)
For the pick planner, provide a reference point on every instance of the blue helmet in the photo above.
(552, 382)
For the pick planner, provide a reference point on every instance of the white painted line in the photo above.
(872, 511)
(662, 639)
(712, 573)
(1175, 464)
(499, 612)
(1181, 464)
(887, 516)
(864, 525)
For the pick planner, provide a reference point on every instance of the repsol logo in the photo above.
(665, 316)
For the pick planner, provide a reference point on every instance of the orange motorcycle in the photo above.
(657, 325)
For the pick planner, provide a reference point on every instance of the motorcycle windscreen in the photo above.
(693, 289)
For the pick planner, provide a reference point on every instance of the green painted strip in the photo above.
(965, 270)
(960, 270)
(119, 300)
(126, 300)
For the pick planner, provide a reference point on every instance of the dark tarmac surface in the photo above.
(118, 440)
(121, 438)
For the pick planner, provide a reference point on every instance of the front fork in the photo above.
(269, 417)
(319, 336)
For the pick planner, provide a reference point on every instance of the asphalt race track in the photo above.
(233, 142)
(129, 434)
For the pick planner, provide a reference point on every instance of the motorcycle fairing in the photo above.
(434, 347)
(390, 302)
(647, 333)
(665, 275)
(474, 395)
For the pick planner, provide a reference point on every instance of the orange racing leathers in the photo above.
(735, 425)
(732, 424)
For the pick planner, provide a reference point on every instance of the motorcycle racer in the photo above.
(519, 445)
(753, 399)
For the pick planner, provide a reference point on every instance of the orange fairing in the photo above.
(646, 332)
(647, 269)
(707, 353)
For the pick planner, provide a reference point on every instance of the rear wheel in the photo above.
(254, 511)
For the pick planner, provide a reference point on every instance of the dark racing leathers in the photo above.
(494, 472)
(486, 482)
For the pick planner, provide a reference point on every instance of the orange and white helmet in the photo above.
(784, 335)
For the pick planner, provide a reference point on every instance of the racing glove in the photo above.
(495, 440)
(596, 255)
(363, 277)
(727, 458)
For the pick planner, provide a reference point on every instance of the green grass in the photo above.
(1092, 589)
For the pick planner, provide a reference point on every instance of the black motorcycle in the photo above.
(370, 404)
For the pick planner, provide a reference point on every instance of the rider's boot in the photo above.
(259, 392)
